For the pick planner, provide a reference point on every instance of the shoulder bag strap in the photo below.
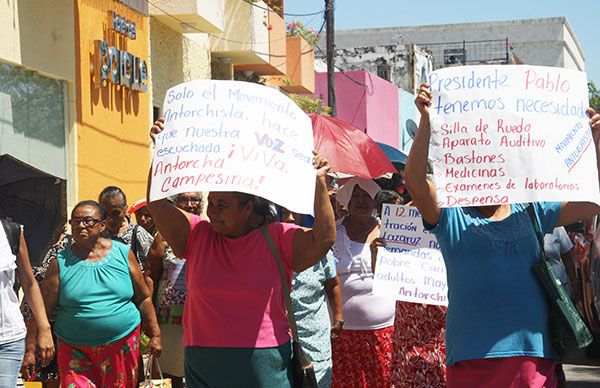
(284, 283)
(538, 230)
(134, 242)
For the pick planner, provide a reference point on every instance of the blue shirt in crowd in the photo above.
(496, 307)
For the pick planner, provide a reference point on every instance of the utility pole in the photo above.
(330, 55)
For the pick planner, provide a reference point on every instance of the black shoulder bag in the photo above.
(570, 334)
(304, 373)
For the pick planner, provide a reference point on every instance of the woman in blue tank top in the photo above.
(99, 292)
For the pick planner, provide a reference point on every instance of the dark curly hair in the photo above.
(261, 207)
(91, 203)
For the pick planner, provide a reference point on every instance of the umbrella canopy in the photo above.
(34, 199)
(350, 151)
(397, 157)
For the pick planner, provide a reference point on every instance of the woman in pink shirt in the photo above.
(235, 327)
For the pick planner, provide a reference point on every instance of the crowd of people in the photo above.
(196, 279)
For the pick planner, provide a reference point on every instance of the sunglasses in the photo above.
(87, 221)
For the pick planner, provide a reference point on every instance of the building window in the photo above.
(32, 119)
(455, 56)
(383, 71)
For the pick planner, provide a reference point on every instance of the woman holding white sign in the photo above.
(236, 332)
(362, 356)
(497, 324)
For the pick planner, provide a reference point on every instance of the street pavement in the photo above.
(585, 373)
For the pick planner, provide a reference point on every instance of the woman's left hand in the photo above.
(154, 346)
(45, 346)
(321, 164)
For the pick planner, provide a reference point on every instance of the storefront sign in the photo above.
(123, 26)
(120, 67)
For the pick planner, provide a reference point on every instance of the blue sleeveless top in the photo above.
(95, 303)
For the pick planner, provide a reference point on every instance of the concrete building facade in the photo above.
(543, 42)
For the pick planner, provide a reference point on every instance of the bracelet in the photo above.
(338, 322)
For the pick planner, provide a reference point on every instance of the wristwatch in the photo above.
(338, 322)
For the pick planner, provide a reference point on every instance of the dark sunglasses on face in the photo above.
(87, 221)
(193, 201)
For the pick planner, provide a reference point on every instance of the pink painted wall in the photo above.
(371, 103)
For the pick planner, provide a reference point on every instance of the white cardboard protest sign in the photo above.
(411, 267)
(234, 136)
(511, 134)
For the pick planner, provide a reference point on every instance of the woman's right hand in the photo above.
(374, 246)
(155, 346)
(45, 346)
(28, 364)
(423, 100)
(158, 127)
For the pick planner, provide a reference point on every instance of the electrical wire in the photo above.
(284, 13)
(346, 75)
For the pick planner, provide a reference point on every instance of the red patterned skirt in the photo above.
(362, 358)
(110, 365)
(419, 353)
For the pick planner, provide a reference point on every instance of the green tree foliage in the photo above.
(594, 96)
(310, 105)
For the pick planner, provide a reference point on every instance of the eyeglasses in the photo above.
(87, 221)
(193, 201)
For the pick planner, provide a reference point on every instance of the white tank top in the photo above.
(361, 309)
(12, 326)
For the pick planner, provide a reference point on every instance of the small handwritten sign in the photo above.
(234, 136)
(510, 134)
(411, 267)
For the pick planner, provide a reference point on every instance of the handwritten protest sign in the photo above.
(411, 267)
(234, 136)
(510, 134)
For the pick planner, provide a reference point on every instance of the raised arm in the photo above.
(421, 190)
(43, 336)
(174, 224)
(141, 297)
(571, 212)
(154, 262)
(311, 245)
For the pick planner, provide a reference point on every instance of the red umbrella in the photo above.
(350, 151)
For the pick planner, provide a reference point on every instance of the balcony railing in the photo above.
(476, 52)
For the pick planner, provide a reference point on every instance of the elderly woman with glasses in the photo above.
(101, 298)
(168, 274)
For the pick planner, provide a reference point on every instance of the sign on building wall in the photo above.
(118, 66)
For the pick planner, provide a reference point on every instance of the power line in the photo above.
(342, 71)
(283, 13)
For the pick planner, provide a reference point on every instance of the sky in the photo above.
(581, 14)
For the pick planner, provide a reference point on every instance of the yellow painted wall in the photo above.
(176, 58)
(112, 133)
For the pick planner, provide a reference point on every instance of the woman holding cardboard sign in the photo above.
(497, 330)
(236, 332)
